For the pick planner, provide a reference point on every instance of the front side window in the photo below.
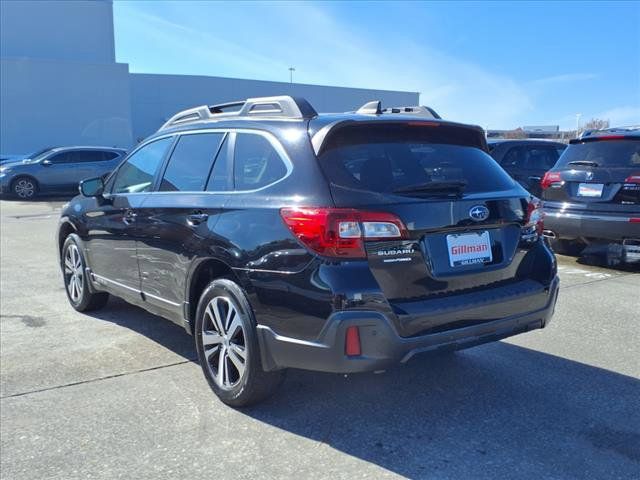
(138, 172)
(256, 163)
(190, 162)
(58, 158)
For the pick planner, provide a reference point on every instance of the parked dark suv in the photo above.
(526, 160)
(340, 243)
(592, 195)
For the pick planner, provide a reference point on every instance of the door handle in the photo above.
(197, 218)
(129, 217)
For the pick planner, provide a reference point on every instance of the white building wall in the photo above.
(155, 98)
(73, 30)
(60, 85)
(55, 103)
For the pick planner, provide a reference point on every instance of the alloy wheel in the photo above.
(73, 273)
(24, 188)
(224, 342)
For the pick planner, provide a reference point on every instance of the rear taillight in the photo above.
(549, 179)
(634, 178)
(341, 232)
(534, 222)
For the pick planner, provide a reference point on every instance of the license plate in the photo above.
(590, 189)
(469, 248)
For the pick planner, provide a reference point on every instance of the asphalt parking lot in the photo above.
(117, 394)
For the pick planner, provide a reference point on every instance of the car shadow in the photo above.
(601, 260)
(155, 328)
(495, 411)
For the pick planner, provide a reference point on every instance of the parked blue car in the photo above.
(57, 170)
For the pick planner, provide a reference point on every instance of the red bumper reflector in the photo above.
(352, 342)
(634, 220)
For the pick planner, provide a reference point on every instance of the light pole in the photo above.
(291, 70)
(578, 115)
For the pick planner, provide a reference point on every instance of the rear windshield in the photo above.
(383, 159)
(604, 153)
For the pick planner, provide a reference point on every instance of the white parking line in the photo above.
(584, 272)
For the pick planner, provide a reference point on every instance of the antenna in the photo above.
(371, 108)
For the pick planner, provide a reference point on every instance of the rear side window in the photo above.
(219, 180)
(256, 163)
(604, 153)
(138, 172)
(190, 162)
(82, 156)
(382, 159)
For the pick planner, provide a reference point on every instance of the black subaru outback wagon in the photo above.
(283, 238)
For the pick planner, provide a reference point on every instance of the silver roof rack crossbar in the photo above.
(375, 108)
(284, 107)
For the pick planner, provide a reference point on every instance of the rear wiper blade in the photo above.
(456, 187)
(584, 162)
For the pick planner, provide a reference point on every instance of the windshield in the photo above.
(603, 153)
(404, 159)
(37, 155)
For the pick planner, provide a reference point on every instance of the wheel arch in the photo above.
(65, 229)
(202, 272)
(35, 181)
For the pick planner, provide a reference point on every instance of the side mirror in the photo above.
(46, 163)
(92, 187)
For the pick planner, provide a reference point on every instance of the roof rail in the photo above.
(631, 129)
(283, 107)
(375, 108)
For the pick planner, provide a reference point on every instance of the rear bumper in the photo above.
(381, 345)
(572, 225)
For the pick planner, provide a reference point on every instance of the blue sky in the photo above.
(497, 64)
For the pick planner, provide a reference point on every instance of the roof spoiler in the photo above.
(375, 108)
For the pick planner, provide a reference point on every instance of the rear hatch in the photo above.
(598, 175)
(463, 215)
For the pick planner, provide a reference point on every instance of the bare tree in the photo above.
(517, 133)
(596, 124)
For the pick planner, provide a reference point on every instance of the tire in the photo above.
(25, 188)
(76, 284)
(566, 247)
(224, 339)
